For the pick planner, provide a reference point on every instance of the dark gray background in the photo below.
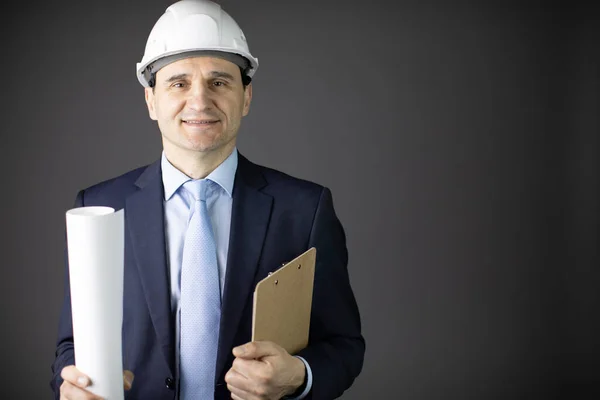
(460, 143)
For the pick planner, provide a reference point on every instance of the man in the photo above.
(203, 226)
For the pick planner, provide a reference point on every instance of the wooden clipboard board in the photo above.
(282, 303)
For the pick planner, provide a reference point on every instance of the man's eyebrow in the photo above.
(222, 74)
(213, 74)
(176, 78)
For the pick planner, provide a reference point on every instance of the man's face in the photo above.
(199, 103)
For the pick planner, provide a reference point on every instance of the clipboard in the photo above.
(282, 303)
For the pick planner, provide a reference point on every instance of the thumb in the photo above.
(255, 350)
(127, 379)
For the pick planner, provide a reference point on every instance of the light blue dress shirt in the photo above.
(177, 203)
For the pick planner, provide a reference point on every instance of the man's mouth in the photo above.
(200, 121)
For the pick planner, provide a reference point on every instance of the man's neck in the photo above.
(197, 165)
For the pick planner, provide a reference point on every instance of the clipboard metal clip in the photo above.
(271, 273)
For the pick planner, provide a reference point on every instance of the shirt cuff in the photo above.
(309, 379)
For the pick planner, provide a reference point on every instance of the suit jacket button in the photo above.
(170, 383)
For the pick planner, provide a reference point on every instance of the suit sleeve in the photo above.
(336, 346)
(65, 354)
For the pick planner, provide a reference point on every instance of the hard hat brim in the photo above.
(144, 76)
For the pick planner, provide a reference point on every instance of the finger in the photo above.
(236, 397)
(236, 380)
(127, 379)
(255, 386)
(249, 369)
(239, 394)
(256, 349)
(74, 376)
(68, 391)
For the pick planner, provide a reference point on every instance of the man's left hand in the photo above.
(263, 370)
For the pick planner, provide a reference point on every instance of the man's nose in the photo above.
(200, 97)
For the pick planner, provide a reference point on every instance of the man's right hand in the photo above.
(75, 382)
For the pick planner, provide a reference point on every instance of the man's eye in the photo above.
(178, 85)
(219, 83)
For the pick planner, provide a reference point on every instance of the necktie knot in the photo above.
(197, 188)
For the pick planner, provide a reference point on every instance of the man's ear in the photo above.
(149, 95)
(247, 99)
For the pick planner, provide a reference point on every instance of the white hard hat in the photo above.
(189, 27)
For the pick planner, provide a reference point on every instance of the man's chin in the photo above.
(206, 148)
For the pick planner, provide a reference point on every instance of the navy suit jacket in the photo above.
(275, 217)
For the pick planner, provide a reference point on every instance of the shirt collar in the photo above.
(223, 175)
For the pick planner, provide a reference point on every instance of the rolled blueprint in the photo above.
(95, 243)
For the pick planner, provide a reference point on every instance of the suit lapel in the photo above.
(250, 215)
(145, 220)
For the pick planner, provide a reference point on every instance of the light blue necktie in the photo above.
(200, 301)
